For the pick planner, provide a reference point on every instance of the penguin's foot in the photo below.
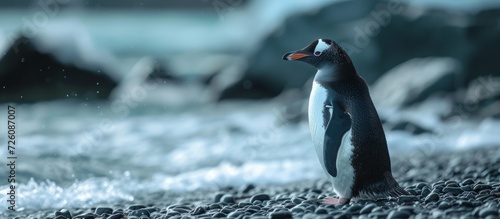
(334, 201)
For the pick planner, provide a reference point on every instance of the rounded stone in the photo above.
(280, 215)
(63, 212)
(453, 190)
(219, 215)
(407, 198)
(227, 199)
(444, 205)
(485, 212)
(234, 214)
(394, 214)
(260, 197)
(367, 209)
(135, 207)
(321, 211)
(425, 192)
(433, 197)
(103, 210)
(480, 187)
(139, 213)
(218, 196)
(116, 216)
(297, 209)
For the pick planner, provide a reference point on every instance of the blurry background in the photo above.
(133, 97)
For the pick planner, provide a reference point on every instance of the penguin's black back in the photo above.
(371, 161)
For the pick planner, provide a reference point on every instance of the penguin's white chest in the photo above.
(344, 180)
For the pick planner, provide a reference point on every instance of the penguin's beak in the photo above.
(295, 55)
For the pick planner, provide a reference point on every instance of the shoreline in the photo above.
(450, 184)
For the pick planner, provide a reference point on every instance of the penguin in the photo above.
(345, 127)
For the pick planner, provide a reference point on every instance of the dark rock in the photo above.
(425, 192)
(480, 187)
(63, 212)
(421, 185)
(28, 74)
(227, 199)
(135, 207)
(354, 208)
(409, 209)
(297, 209)
(407, 198)
(85, 216)
(467, 182)
(234, 214)
(198, 210)
(453, 190)
(139, 213)
(227, 210)
(116, 216)
(433, 197)
(103, 210)
(218, 196)
(488, 212)
(343, 215)
(367, 209)
(444, 205)
(466, 188)
(243, 204)
(394, 214)
(378, 215)
(247, 188)
(214, 206)
(260, 197)
(219, 215)
(280, 215)
(321, 211)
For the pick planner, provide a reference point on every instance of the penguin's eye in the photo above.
(317, 53)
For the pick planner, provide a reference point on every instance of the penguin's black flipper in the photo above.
(338, 125)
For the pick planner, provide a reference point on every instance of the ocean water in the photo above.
(77, 154)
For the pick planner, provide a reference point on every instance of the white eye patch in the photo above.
(320, 47)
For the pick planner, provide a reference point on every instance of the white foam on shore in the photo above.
(78, 162)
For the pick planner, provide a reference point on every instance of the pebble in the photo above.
(218, 196)
(135, 207)
(488, 212)
(219, 215)
(116, 216)
(354, 208)
(198, 210)
(467, 182)
(139, 213)
(280, 215)
(260, 197)
(85, 216)
(367, 209)
(433, 197)
(247, 188)
(234, 214)
(407, 198)
(63, 212)
(394, 214)
(321, 211)
(480, 187)
(343, 215)
(453, 190)
(227, 199)
(444, 205)
(103, 210)
(425, 192)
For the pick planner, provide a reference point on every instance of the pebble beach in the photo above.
(447, 185)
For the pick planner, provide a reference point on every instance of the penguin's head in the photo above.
(319, 53)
